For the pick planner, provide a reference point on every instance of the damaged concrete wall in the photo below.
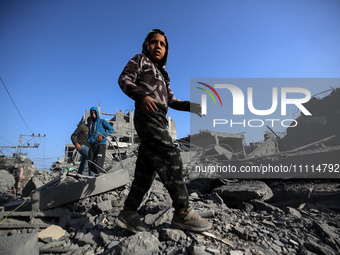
(220, 144)
(324, 122)
(21, 168)
(123, 125)
(268, 147)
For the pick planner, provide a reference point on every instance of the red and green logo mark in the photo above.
(209, 93)
(204, 97)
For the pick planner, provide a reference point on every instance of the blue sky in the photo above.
(59, 58)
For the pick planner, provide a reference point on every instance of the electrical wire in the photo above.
(15, 105)
(16, 208)
(6, 140)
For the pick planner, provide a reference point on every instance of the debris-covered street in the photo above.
(248, 216)
(61, 212)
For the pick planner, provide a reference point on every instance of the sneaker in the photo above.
(190, 220)
(131, 222)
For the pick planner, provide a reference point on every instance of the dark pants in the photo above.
(96, 155)
(157, 154)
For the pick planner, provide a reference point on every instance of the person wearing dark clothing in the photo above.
(79, 139)
(145, 80)
(98, 131)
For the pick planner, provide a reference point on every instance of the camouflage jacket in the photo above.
(141, 77)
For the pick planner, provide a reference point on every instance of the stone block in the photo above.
(50, 197)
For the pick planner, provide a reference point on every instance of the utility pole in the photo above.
(24, 143)
(20, 167)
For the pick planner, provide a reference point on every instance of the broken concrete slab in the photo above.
(32, 219)
(55, 232)
(268, 147)
(20, 244)
(322, 123)
(231, 142)
(68, 192)
(262, 206)
(38, 180)
(235, 193)
(328, 233)
(293, 193)
(219, 153)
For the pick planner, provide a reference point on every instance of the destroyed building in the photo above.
(72, 214)
(324, 122)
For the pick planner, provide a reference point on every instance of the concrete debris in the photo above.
(210, 140)
(255, 224)
(234, 192)
(7, 181)
(39, 179)
(54, 232)
(59, 211)
(143, 243)
(268, 147)
(21, 168)
(44, 198)
(219, 153)
(324, 122)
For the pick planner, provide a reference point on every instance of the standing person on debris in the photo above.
(80, 139)
(145, 80)
(98, 131)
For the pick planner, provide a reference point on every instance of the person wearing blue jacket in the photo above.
(98, 131)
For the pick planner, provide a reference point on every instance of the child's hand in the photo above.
(148, 105)
(195, 108)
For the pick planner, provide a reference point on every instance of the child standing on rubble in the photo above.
(145, 80)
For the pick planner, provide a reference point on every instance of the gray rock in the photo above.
(142, 243)
(172, 235)
(198, 250)
(236, 252)
(263, 206)
(104, 206)
(293, 212)
(92, 237)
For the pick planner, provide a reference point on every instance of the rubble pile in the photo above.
(62, 212)
(248, 216)
(323, 122)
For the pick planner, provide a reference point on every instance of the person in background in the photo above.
(80, 139)
(99, 129)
